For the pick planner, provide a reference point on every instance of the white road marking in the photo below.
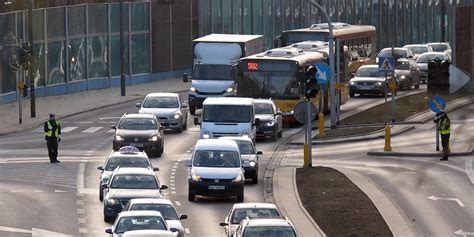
(111, 131)
(39, 129)
(80, 176)
(186, 230)
(81, 211)
(92, 130)
(83, 122)
(175, 166)
(108, 118)
(68, 129)
(464, 233)
(173, 192)
(82, 220)
(177, 203)
(173, 173)
(80, 202)
(173, 188)
(16, 191)
(39, 191)
(447, 199)
(174, 170)
(60, 191)
(83, 230)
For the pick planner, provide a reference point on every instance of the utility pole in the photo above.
(122, 53)
(32, 60)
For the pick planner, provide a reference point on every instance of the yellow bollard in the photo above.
(322, 133)
(306, 155)
(388, 146)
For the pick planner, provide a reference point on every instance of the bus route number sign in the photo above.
(252, 66)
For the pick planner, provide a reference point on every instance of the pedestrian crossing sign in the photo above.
(386, 64)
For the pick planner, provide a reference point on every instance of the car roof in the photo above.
(369, 66)
(415, 45)
(136, 115)
(236, 138)
(435, 43)
(140, 213)
(216, 144)
(263, 101)
(140, 154)
(433, 53)
(162, 94)
(134, 170)
(254, 205)
(150, 201)
(269, 222)
(228, 101)
(395, 48)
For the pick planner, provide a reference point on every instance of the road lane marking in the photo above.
(464, 233)
(92, 130)
(83, 122)
(80, 176)
(187, 231)
(40, 129)
(177, 203)
(109, 118)
(173, 192)
(173, 173)
(68, 129)
(39, 191)
(80, 202)
(60, 191)
(174, 170)
(447, 199)
(81, 211)
(82, 220)
(111, 131)
(83, 230)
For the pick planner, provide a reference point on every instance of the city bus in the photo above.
(277, 74)
(360, 39)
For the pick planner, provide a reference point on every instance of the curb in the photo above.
(417, 154)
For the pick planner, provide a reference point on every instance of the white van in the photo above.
(228, 116)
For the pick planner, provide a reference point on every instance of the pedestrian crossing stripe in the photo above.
(111, 131)
(92, 130)
(68, 129)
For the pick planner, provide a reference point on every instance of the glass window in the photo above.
(137, 124)
(115, 17)
(97, 18)
(39, 57)
(257, 17)
(263, 108)
(121, 161)
(76, 20)
(237, 16)
(56, 62)
(140, 53)
(240, 214)
(167, 211)
(216, 16)
(161, 102)
(140, 223)
(227, 16)
(115, 55)
(245, 147)
(370, 72)
(227, 113)
(97, 57)
(77, 59)
(216, 158)
(55, 20)
(261, 231)
(140, 17)
(213, 72)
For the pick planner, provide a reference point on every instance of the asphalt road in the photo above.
(63, 198)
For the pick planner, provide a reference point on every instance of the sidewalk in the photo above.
(71, 104)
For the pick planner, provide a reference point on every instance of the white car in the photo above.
(138, 220)
(168, 108)
(164, 206)
(149, 233)
(418, 49)
(265, 227)
(253, 210)
(440, 46)
(249, 156)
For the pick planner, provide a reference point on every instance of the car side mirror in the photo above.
(173, 230)
(184, 105)
(223, 224)
(156, 169)
(139, 105)
(279, 113)
(108, 230)
(113, 127)
(410, 57)
(163, 187)
(259, 153)
(196, 121)
(257, 122)
(187, 163)
(183, 217)
(100, 168)
(103, 185)
(185, 77)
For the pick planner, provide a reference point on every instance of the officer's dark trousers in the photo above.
(52, 148)
(445, 144)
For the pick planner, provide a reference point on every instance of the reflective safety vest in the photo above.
(444, 126)
(49, 133)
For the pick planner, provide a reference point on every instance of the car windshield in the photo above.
(369, 72)
(227, 113)
(245, 147)
(134, 181)
(269, 231)
(418, 49)
(211, 158)
(213, 72)
(439, 47)
(403, 65)
(397, 53)
(161, 102)
(137, 124)
(425, 58)
(140, 223)
(263, 108)
(167, 211)
(240, 214)
(114, 162)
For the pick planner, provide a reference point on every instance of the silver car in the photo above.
(168, 108)
(418, 49)
(424, 58)
(407, 74)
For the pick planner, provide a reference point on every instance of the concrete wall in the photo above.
(464, 35)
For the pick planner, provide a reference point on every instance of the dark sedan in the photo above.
(368, 80)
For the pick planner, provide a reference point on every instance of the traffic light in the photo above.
(438, 77)
(25, 55)
(432, 82)
(444, 77)
(311, 84)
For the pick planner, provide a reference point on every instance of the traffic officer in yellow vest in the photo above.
(52, 132)
(444, 125)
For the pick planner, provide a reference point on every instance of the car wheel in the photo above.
(101, 195)
(280, 133)
(108, 219)
(417, 86)
(351, 94)
(185, 125)
(192, 110)
(180, 129)
(240, 197)
(191, 196)
(255, 177)
(275, 136)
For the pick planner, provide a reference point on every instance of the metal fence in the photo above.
(77, 47)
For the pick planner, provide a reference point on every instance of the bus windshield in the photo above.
(213, 72)
(295, 37)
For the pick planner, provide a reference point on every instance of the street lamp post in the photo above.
(332, 83)
(122, 53)
(32, 60)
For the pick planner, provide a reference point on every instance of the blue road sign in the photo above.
(437, 104)
(386, 64)
(324, 73)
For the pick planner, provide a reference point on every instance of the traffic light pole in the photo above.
(308, 133)
(122, 53)
(32, 60)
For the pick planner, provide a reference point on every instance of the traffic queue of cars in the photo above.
(411, 69)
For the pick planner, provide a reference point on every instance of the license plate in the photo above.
(215, 187)
(365, 87)
(136, 144)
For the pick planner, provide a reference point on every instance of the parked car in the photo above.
(271, 119)
(138, 220)
(164, 206)
(126, 184)
(280, 227)
(249, 155)
(369, 81)
(126, 156)
(423, 59)
(407, 74)
(240, 211)
(168, 108)
(418, 49)
(142, 131)
(215, 169)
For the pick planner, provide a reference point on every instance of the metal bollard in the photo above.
(306, 155)
(322, 133)
(388, 146)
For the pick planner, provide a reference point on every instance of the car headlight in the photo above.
(192, 89)
(205, 134)
(112, 202)
(270, 123)
(153, 138)
(352, 83)
(119, 138)
(379, 83)
(237, 179)
(196, 177)
(176, 116)
(402, 77)
(229, 90)
(252, 163)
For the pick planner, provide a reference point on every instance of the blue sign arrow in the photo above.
(437, 104)
(324, 73)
